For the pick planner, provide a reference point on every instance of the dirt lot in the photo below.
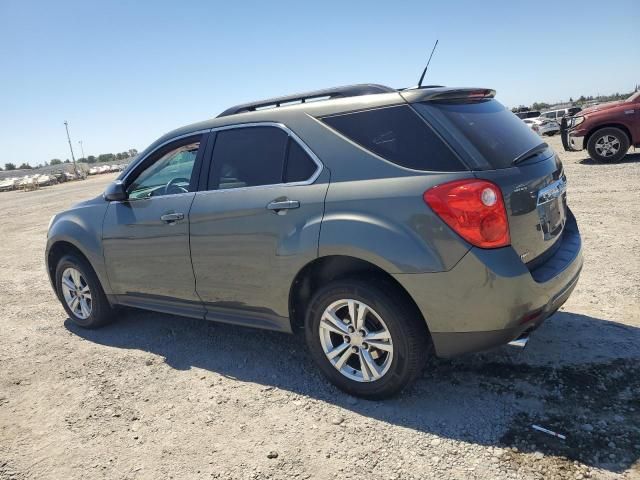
(155, 396)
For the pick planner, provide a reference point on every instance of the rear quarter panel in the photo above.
(386, 222)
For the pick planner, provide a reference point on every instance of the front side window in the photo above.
(170, 174)
(257, 156)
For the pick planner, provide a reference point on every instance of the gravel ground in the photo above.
(155, 396)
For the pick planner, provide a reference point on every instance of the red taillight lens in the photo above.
(474, 209)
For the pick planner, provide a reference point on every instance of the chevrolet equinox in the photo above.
(388, 225)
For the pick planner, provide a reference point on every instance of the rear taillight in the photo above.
(474, 209)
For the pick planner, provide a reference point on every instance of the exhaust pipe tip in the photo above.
(519, 342)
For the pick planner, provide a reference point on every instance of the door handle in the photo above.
(283, 205)
(172, 217)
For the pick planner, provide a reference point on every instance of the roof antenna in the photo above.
(428, 62)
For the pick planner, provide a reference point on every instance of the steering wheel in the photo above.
(171, 186)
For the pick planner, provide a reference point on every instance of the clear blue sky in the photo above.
(124, 72)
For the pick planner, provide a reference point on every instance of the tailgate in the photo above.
(536, 201)
(496, 144)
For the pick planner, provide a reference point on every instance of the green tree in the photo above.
(91, 159)
(55, 161)
(82, 160)
(9, 166)
(106, 157)
(539, 106)
(25, 166)
(133, 152)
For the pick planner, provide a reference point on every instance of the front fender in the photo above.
(81, 227)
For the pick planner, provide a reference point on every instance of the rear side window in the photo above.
(398, 135)
(299, 166)
(248, 157)
(256, 156)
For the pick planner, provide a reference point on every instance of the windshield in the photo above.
(634, 96)
(496, 134)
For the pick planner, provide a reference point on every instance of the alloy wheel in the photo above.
(356, 340)
(607, 146)
(76, 293)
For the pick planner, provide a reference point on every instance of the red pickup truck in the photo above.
(606, 131)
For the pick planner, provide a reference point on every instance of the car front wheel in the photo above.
(366, 340)
(608, 145)
(81, 294)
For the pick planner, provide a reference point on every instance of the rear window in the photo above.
(496, 133)
(398, 135)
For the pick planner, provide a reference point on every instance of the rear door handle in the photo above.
(283, 205)
(172, 217)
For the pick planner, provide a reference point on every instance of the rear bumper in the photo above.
(491, 298)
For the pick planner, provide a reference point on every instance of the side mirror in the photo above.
(115, 192)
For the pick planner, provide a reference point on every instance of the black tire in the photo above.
(409, 336)
(619, 135)
(101, 310)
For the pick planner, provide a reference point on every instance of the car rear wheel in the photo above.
(81, 294)
(366, 340)
(608, 145)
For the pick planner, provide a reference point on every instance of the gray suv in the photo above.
(388, 225)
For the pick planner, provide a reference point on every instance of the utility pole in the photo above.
(82, 149)
(75, 168)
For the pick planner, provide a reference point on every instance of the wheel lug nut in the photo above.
(347, 339)
(362, 333)
(365, 346)
(351, 329)
(354, 349)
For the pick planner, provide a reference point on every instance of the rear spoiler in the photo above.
(447, 94)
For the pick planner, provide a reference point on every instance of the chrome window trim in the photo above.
(291, 134)
(287, 130)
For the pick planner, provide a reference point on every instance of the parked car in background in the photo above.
(606, 130)
(384, 224)
(528, 114)
(542, 126)
(560, 113)
(8, 184)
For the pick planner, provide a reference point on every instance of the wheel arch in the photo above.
(58, 248)
(329, 268)
(619, 126)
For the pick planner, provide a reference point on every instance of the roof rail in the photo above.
(326, 94)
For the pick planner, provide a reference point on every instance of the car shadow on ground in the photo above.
(631, 157)
(579, 376)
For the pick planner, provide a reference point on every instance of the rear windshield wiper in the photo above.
(530, 153)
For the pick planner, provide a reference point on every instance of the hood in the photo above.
(602, 106)
(87, 203)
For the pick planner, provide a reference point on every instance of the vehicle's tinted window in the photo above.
(299, 167)
(169, 174)
(248, 157)
(497, 134)
(397, 134)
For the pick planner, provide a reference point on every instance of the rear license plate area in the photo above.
(552, 208)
